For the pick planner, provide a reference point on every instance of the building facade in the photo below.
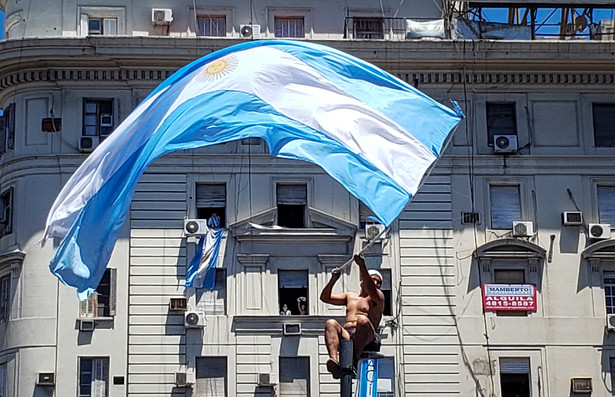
(523, 199)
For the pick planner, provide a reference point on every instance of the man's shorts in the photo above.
(373, 346)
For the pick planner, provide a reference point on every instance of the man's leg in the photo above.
(363, 336)
(333, 333)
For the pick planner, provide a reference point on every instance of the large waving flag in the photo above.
(370, 131)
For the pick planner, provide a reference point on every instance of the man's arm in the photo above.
(327, 294)
(368, 283)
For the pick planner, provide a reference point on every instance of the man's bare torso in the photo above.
(357, 306)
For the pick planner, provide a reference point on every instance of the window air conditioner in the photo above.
(523, 229)
(195, 227)
(504, 143)
(572, 218)
(178, 304)
(599, 231)
(46, 379)
(184, 379)
(86, 325)
(581, 385)
(87, 144)
(250, 31)
(162, 16)
(292, 329)
(267, 379)
(373, 230)
(106, 120)
(194, 320)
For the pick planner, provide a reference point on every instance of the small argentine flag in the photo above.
(202, 269)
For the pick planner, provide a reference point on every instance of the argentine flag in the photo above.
(373, 133)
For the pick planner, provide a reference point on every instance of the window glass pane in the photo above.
(501, 120)
(210, 377)
(505, 206)
(109, 26)
(604, 124)
(5, 297)
(289, 27)
(94, 26)
(293, 291)
(93, 377)
(212, 26)
(7, 212)
(386, 377)
(606, 204)
(609, 289)
(294, 376)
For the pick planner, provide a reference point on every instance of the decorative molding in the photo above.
(507, 78)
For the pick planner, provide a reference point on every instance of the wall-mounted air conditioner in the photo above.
(610, 322)
(106, 120)
(523, 229)
(250, 31)
(572, 218)
(373, 230)
(46, 379)
(267, 379)
(292, 329)
(162, 16)
(87, 144)
(86, 325)
(581, 385)
(178, 304)
(194, 320)
(195, 227)
(184, 379)
(599, 231)
(505, 143)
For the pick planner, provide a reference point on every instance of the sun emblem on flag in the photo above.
(217, 69)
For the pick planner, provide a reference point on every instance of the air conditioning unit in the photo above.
(504, 143)
(581, 385)
(267, 379)
(610, 322)
(373, 230)
(184, 379)
(523, 229)
(194, 320)
(250, 31)
(162, 16)
(599, 231)
(87, 144)
(86, 325)
(572, 218)
(46, 379)
(178, 304)
(195, 227)
(292, 329)
(106, 120)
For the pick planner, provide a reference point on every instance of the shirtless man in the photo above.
(363, 314)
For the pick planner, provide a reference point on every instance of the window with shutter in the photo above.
(505, 202)
(387, 291)
(6, 199)
(515, 377)
(5, 297)
(501, 120)
(291, 204)
(295, 376)
(606, 204)
(604, 124)
(9, 126)
(211, 198)
(210, 377)
(93, 377)
(293, 290)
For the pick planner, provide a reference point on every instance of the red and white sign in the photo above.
(509, 297)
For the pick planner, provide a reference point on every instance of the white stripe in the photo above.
(306, 96)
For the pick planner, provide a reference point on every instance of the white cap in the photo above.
(374, 272)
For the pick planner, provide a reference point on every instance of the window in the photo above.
(214, 301)
(368, 28)
(6, 199)
(604, 124)
(5, 298)
(501, 120)
(509, 276)
(294, 376)
(98, 117)
(102, 302)
(293, 285)
(210, 198)
(289, 27)
(386, 290)
(93, 376)
(102, 26)
(606, 204)
(609, 291)
(612, 372)
(211, 25)
(3, 392)
(386, 377)
(9, 127)
(291, 203)
(505, 203)
(210, 377)
(364, 215)
(515, 377)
